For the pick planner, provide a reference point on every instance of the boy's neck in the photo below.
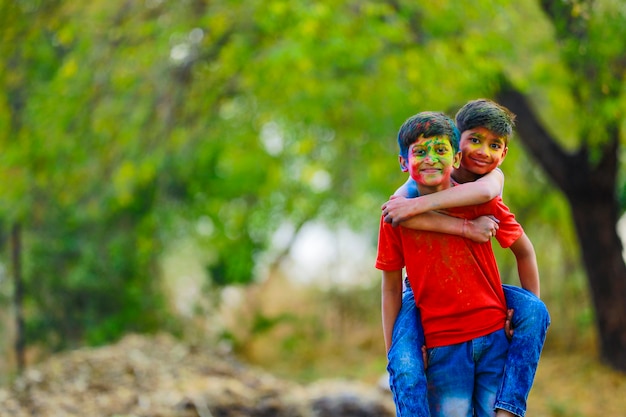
(424, 189)
(461, 176)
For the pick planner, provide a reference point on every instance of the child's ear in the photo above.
(404, 166)
(457, 160)
(506, 149)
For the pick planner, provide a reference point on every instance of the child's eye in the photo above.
(496, 146)
(474, 140)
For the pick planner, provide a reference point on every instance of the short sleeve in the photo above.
(390, 255)
(509, 229)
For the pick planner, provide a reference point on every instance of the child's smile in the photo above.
(482, 150)
(430, 163)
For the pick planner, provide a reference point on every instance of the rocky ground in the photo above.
(161, 377)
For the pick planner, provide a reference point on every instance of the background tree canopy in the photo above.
(125, 126)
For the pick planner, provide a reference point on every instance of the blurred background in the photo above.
(214, 169)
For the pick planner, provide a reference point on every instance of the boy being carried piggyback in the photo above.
(486, 127)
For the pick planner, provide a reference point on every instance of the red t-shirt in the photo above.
(455, 281)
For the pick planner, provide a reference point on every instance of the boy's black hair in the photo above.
(488, 114)
(427, 124)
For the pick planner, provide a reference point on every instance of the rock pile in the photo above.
(161, 377)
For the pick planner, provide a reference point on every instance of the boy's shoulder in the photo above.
(493, 207)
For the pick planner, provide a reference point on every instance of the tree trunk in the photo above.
(602, 255)
(18, 295)
(590, 189)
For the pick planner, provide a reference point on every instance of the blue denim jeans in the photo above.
(530, 324)
(463, 379)
(406, 366)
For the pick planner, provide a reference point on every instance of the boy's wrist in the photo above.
(417, 207)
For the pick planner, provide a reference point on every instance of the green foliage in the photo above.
(120, 121)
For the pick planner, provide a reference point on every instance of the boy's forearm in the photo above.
(480, 229)
(402, 206)
(470, 193)
(391, 302)
(527, 268)
(436, 222)
(529, 276)
(467, 194)
(400, 209)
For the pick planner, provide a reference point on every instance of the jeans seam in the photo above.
(509, 407)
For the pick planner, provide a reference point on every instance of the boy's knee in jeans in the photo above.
(527, 307)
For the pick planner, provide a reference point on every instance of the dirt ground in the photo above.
(161, 377)
(576, 385)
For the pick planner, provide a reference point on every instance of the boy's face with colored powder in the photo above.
(482, 150)
(430, 163)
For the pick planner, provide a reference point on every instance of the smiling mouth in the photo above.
(480, 161)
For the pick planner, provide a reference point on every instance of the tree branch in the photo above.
(541, 145)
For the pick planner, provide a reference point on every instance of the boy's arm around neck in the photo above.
(478, 230)
(476, 192)
(527, 268)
